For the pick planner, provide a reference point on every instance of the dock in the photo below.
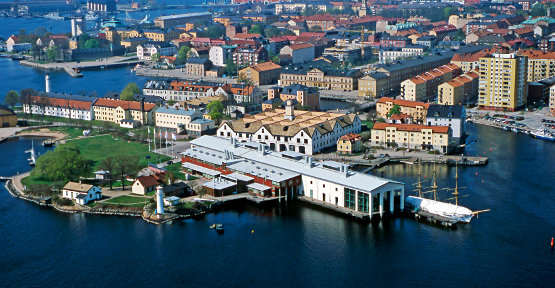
(72, 72)
(72, 68)
(336, 208)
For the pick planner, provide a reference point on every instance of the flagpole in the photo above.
(148, 139)
(154, 136)
(166, 136)
(160, 146)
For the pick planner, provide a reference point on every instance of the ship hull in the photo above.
(442, 209)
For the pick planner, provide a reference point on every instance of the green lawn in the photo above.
(117, 183)
(127, 200)
(177, 171)
(101, 147)
(368, 124)
(73, 132)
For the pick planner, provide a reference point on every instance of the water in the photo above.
(300, 245)
(17, 77)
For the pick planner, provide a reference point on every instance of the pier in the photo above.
(71, 67)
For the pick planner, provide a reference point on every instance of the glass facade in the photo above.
(375, 203)
(350, 198)
(363, 202)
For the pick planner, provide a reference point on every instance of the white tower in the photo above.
(289, 110)
(47, 83)
(159, 200)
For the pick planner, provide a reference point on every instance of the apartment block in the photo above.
(462, 89)
(412, 136)
(416, 110)
(502, 84)
(424, 86)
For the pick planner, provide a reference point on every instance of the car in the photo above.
(147, 157)
(387, 155)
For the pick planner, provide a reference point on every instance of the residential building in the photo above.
(552, 100)
(502, 84)
(8, 118)
(249, 55)
(422, 87)
(180, 19)
(392, 54)
(160, 35)
(61, 105)
(117, 110)
(323, 22)
(394, 41)
(412, 136)
(294, 175)
(416, 110)
(461, 89)
(81, 193)
(197, 66)
(299, 53)
(322, 78)
(13, 44)
(179, 120)
(453, 116)
(349, 144)
(262, 74)
(305, 132)
(131, 44)
(541, 64)
(147, 50)
(220, 54)
(302, 95)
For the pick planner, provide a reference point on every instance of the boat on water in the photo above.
(514, 129)
(219, 228)
(33, 156)
(53, 16)
(91, 17)
(137, 67)
(48, 143)
(542, 133)
(440, 211)
(507, 128)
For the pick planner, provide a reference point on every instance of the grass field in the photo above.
(368, 124)
(73, 132)
(101, 147)
(128, 200)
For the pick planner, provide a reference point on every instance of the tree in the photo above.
(22, 32)
(91, 43)
(128, 93)
(25, 96)
(40, 31)
(538, 10)
(51, 53)
(396, 109)
(12, 97)
(381, 120)
(183, 54)
(215, 110)
(156, 57)
(316, 28)
(255, 29)
(126, 165)
(83, 38)
(109, 164)
(230, 67)
(170, 102)
(65, 163)
(459, 35)
(275, 59)
(448, 11)
(213, 31)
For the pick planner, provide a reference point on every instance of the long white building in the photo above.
(61, 105)
(305, 132)
(293, 174)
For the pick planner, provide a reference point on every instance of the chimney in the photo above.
(310, 161)
(289, 110)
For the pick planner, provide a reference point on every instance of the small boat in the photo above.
(91, 17)
(53, 16)
(219, 228)
(506, 128)
(515, 130)
(33, 158)
(542, 133)
(48, 143)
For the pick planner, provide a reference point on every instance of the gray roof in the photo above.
(445, 111)
(171, 110)
(69, 96)
(293, 89)
(197, 60)
(219, 184)
(258, 187)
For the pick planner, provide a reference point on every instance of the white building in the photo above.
(61, 105)
(305, 132)
(453, 116)
(289, 173)
(219, 55)
(147, 50)
(81, 193)
(183, 120)
(392, 54)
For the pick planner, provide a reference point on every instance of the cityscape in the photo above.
(277, 143)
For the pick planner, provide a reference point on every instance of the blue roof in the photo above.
(171, 110)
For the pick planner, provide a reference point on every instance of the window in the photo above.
(363, 202)
(349, 198)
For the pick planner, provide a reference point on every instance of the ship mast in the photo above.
(456, 193)
(434, 186)
(419, 184)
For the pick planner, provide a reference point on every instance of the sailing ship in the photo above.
(433, 209)
(33, 156)
(53, 16)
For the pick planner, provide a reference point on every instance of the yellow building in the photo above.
(412, 136)
(349, 144)
(116, 110)
(160, 35)
(541, 64)
(459, 90)
(262, 74)
(424, 86)
(502, 84)
(416, 110)
(321, 78)
(8, 118)
(552, 100)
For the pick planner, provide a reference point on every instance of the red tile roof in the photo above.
(56, 102)
(126, 105)
(410, 127)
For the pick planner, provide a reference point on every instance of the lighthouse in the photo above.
(47, 83)
(159, 200)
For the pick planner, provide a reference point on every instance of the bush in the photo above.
(64, 202)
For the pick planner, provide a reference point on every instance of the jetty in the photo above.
(74, 68)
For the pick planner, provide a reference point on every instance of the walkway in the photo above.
(17, 182)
